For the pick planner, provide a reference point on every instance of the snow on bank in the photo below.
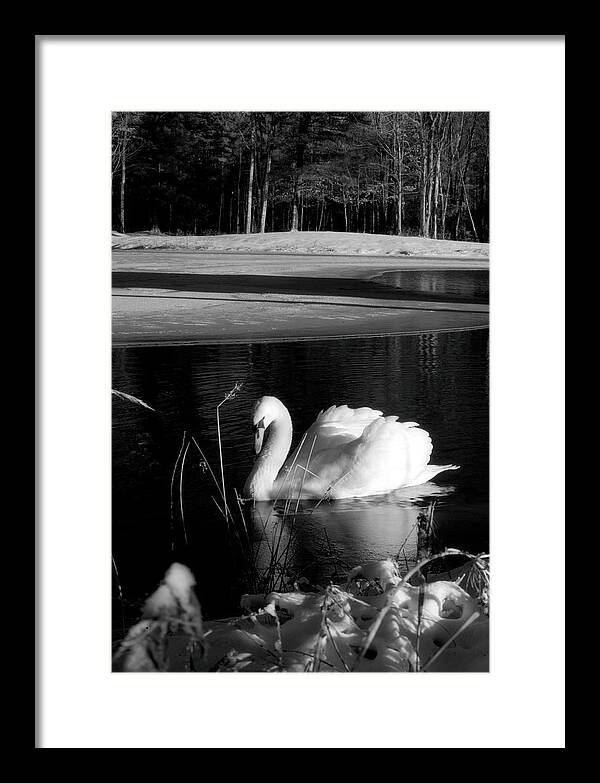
(304, 242)
(375, 622)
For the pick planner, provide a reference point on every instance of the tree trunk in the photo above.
(237, 203)
(265, 195)
(462, 173)
(399, 197)
(373, 209)
(429, 135)
(436, 193)
(430, 176)
(222, 198)
(469, 210)
(250, 186)
(424, 175)
(398, 163)
(124, 172)
(294, 226)
(303, 126)
(444, 202)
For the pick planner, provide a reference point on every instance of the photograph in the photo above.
(300, 391)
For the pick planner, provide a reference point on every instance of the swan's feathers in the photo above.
(387, 451)
(333, 428)
(342, 421)
(362, 449)
(341, 413)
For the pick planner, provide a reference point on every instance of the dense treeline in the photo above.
(422, 173)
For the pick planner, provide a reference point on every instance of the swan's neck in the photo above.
(276, 445)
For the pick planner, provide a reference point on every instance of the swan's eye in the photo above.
(259, 426)
(259, 431)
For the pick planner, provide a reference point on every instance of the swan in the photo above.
(346, 452)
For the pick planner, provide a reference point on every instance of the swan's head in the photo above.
(265, 411)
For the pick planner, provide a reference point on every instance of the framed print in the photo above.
(293, 400)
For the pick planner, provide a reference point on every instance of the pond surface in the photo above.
(437, 379)
(453, 285)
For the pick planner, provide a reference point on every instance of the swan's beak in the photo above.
(259, 431)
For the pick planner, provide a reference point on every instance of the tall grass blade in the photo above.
(181, 492)
(173, 490)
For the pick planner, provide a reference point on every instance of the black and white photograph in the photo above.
(300, 391)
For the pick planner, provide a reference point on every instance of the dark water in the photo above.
(438, 379)
(453, 285)
(445, 285)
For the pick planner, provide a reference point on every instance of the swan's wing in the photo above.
(387, 455)
(332, 429)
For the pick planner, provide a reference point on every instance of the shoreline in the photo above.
(441, 258)
(163, 297)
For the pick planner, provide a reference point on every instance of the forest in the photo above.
(204, 173)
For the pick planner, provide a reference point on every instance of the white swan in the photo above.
(345, 453)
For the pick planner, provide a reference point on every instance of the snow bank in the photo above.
(376, 622)
(305, 242)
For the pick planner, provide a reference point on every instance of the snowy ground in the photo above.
(311, 242)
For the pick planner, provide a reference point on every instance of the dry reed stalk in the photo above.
(181, 492)
(420, 600)
(315, 664)
(207, 463)
(326, 495)
(304, 474)
(172, 488)
(229, 396)
(120, 594)
(281, 488)
(131, 398)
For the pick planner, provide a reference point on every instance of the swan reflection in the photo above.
(321, 541)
